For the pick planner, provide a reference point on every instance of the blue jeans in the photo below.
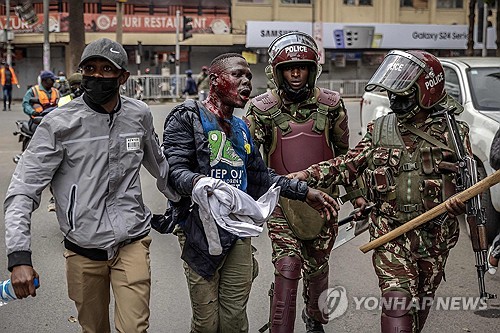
(7, 95)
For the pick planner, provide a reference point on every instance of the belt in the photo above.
(93, 253)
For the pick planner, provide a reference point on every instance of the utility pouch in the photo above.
(448, 164)
(381, 156)
(431, 193)
(437, 157)
(383, 180)
(395, 157)
(305, 222)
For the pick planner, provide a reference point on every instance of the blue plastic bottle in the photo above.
(7, 293)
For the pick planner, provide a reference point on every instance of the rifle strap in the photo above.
(352, 195)
(426, 137)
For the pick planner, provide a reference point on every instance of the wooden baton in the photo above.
(465, 195)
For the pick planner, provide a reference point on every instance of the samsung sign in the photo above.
(262, 33)
(370, 36)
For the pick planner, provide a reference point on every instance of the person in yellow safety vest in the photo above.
(45, 92)
(7, 79)
(48, 97)
(74, 81)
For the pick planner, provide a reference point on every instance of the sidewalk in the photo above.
(15, 106)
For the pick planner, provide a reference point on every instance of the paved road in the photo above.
(51, 311)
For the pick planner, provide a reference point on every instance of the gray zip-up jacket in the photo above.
(92, 162)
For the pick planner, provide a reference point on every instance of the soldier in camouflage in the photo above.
(298, 124)
(408, 165)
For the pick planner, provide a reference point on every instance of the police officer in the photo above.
(298, 124)
(408, 162)
(74, 82)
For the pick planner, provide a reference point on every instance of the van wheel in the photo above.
(491, 216)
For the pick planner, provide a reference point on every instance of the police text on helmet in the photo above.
(396, 66)
(295, 48)
(433, 81)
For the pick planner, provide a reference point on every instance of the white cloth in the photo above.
(232, 209)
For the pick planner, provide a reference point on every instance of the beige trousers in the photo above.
(128, 273)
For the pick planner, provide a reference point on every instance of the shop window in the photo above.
(417, 4)
(256, 1)
(358, 2)
(296, 1)
(450, 4)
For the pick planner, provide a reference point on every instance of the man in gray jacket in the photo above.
(90, 152)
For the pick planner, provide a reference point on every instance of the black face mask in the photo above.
(296, 95)
(100, 90)
(77, 92)
(404, 107)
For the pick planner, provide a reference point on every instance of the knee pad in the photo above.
(288, 267)
(397, 312)
(284, 295)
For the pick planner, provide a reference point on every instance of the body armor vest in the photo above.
(300, 148)
(297, 144)
(402, 184)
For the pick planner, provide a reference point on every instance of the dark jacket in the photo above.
(190, 88)
(495, 152)
(187, 150)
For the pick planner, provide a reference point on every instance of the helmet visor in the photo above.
(397, 73)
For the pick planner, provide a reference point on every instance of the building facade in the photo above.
(354, 35)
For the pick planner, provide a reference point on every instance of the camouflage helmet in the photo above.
(75, 78)
(294, 47)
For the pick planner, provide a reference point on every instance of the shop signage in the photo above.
(370, 36)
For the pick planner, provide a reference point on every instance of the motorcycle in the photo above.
(25, 134)
(26, 128)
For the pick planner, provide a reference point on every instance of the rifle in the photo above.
(469, 188)
(466, 177)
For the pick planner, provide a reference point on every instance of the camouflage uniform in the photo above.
(313, 253)
(404, 178)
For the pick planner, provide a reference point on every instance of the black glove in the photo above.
(163, 223)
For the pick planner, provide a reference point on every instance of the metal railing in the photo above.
(153, 87)
(351, 88)
(159, 88)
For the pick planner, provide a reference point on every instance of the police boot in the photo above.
(397, 316)
(422, 317)
(316, 284)
(284, 296)
(312, 326)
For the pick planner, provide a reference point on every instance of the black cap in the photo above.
(107, 49)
